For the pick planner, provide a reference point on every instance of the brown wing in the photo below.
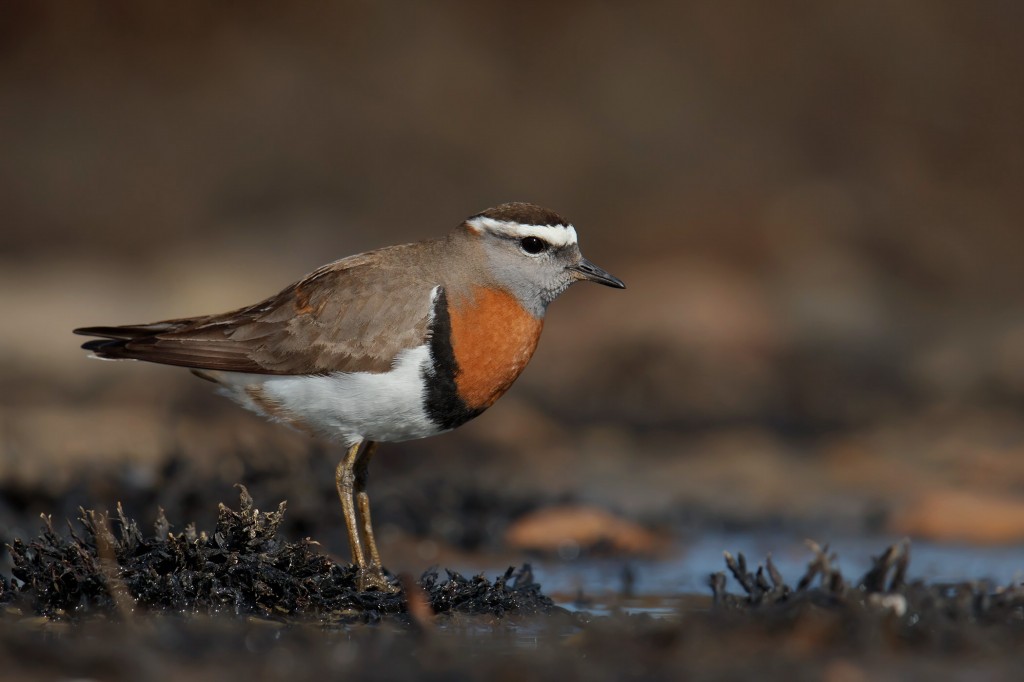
(352, 315)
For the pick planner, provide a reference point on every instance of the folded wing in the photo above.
(354, 315)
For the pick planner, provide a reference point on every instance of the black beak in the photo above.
(591, 272)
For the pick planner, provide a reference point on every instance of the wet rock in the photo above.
(961, 516)
(570, 530)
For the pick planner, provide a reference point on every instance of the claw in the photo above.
(373, 578)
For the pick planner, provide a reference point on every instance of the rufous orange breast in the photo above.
(492, 337)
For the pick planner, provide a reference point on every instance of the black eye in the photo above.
(533, 245)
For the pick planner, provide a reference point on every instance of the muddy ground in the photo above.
(144, 591)
(111, 601)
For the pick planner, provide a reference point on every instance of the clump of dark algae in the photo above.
(882, 606)
(242, 568)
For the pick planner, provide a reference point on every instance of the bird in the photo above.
(394, 344)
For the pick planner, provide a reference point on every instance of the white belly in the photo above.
(350, 407)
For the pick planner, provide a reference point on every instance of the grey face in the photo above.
(539, 262)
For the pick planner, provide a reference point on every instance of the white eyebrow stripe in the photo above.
(556, 235)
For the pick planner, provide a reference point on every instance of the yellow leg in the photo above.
(344, 479)
(373, 574)
(362, 500)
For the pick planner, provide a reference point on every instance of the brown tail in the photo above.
(112, 341)
(172, 342)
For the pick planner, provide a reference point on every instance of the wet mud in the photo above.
(102, 598)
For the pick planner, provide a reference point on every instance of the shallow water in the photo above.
(686, 571)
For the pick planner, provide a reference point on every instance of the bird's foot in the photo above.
(373, 578)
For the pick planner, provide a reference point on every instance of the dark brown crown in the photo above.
(524, 214)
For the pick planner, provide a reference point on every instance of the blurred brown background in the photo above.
(816, 206)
